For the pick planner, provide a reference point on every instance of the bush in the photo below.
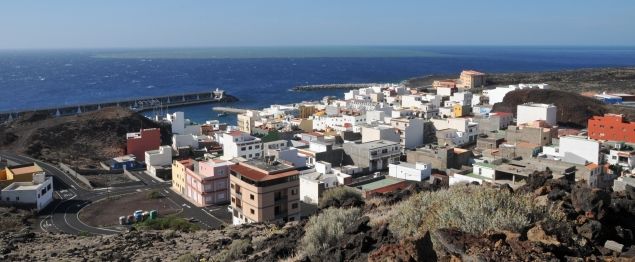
(235, 251)
(189, 257)
(154, 194)
(169, 222)
(472, 209)
(326, 229)
(337, 196)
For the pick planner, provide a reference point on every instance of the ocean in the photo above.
(259, 77)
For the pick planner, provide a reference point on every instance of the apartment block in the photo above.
(264, 192)
(203, 183)
(145, 140)
(471, 79)
(372, 156)
(241, 144)
(611, 127)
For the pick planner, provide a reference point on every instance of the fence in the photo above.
(78, 176)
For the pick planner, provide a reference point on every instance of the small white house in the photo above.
(158, 158)
(315, 181)
(38, 192)
(408, 171)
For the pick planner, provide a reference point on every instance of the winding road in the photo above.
(62, 215)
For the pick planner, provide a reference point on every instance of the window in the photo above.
(251, 196)
(252, 211)
(17, 198)
(294, 205)
(48, 187)
(243, 148)
(257, 154)
(293, 192)
(231, 185)
(257, 147)
(249, 147)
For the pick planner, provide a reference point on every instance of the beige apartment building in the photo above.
(264, 192)
(471, 79)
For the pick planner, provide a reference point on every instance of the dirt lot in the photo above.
(105, 180)
(107, 212)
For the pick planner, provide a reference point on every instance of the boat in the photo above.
(221, 114)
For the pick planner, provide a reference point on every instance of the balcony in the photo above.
(279, 199)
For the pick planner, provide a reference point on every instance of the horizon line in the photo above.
(304, 46)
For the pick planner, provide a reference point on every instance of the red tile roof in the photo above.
(256, 175)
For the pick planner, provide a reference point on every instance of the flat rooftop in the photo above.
(255, 172)
(25, 169)
(376, 144)
(387, 181)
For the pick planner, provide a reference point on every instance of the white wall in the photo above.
(419, 172)
(578, 150)
(33, 196)
(533, 112)
(160, 157)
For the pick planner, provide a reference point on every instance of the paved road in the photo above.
(71, 196)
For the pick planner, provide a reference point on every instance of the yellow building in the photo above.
(457, 110)
(178, 175)
(19, 173)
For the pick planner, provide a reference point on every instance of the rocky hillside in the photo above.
(102, 133)
(573, 109)
(544, 220)
(581, 80)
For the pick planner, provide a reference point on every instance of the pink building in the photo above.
(207, 182)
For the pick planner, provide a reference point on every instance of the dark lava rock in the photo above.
(592, 202)
(591, 230)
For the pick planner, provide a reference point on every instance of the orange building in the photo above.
(611, 127)
(138, 143)
(471, 79)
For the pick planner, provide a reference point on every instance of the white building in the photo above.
(579, 150)
(411, 131)
(181, 125)
(466, 129)
(496, 95)
(382, 132)
(408, 171)
(158, 158)
(622, 158)
(530, 112)
(37, 193)
(240, 144)
(315, 181)
(180, 141)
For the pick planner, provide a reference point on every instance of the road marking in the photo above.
(221, 221)
(185, 205)
(166, 191)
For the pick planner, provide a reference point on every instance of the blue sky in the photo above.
(187, 23)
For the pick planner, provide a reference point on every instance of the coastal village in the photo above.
(275, 164)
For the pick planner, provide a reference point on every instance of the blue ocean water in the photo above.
(258, 76)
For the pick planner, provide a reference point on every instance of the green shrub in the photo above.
(189, 257)
(169, 222)
(154, 194)
(326, 229)
(235, 251)
(339, 195)
(472, 209)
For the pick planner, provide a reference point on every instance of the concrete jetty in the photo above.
(231, 110)
(332, 86)
(137, 104)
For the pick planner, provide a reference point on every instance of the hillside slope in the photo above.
(84, 139)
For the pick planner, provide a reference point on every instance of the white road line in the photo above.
(221, 221)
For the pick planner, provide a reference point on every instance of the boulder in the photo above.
(612, 245)
(590, 201)
(411, 249)
(537, 234)
(591, 230)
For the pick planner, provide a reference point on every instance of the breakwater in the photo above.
(137, 104)
(332, 86)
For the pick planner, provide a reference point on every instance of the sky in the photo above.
(70, 24)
